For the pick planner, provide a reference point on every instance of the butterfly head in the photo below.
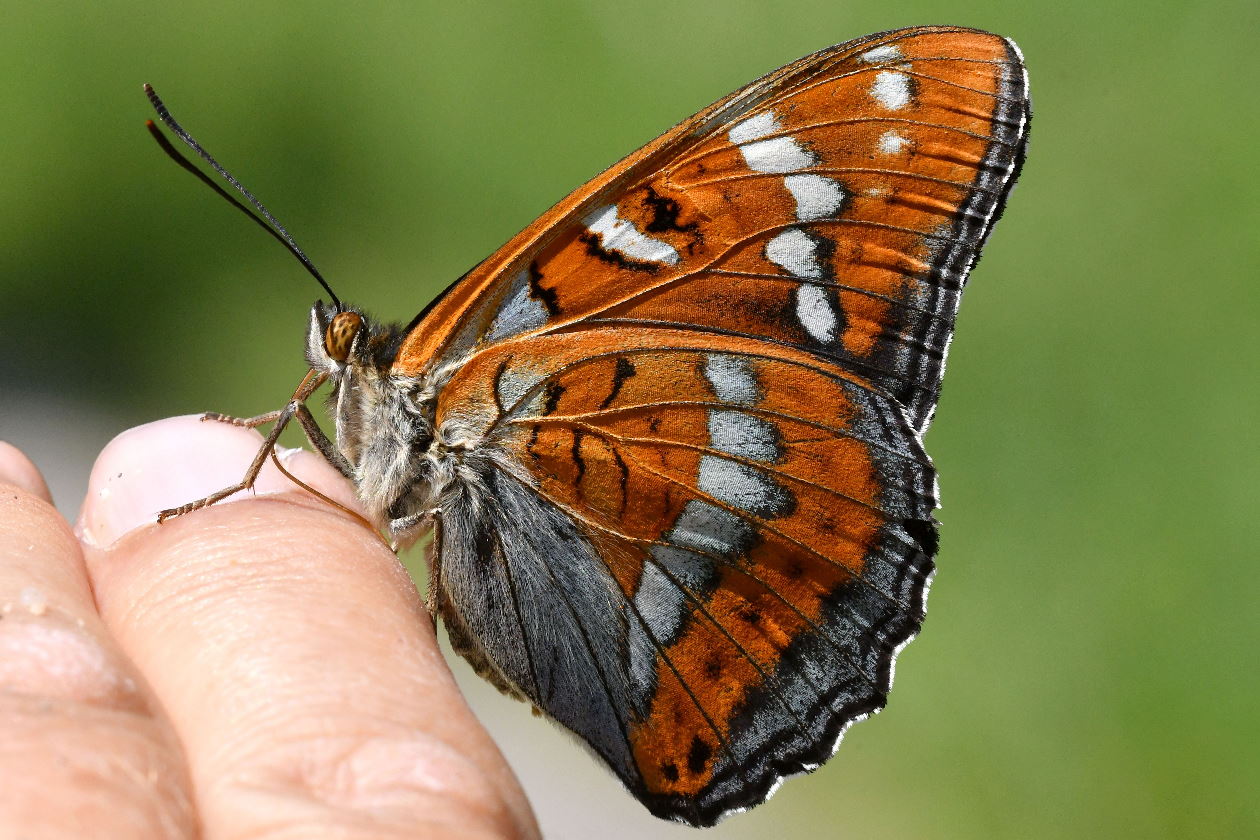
(339, 335)
(342, 338)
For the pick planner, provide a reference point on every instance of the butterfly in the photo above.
(668, 439)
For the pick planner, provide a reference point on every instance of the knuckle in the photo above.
(44, 653)
(388, 783)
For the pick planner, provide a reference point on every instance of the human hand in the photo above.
(260, 668)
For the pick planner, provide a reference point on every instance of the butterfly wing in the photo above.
(866, 175)
(694, 524)
(710, 561)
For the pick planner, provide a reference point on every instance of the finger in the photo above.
(83, 751)
(17, 469)
(290, 648)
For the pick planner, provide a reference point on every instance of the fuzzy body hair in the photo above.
(405, 467)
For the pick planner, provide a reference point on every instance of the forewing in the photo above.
(835, 205)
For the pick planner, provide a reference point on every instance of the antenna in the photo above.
(276, 229)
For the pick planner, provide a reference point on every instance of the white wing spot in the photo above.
(709, 529)
(732, 378)
(795, 251)
(742, 486)
(777, 155)
(663, 605)
(512, 385)
(743, 435)
(754, 128)
(888, 52)
(660, 602)
(891, 89)
(817, 197)
(891, 143)
(817, 314)
(617, 234)
(519, 312)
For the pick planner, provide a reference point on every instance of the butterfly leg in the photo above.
(322, 444)
(247, 422)
(435, 572)
(251, 474)
(314, 433)
(309, 383)
(406, 529)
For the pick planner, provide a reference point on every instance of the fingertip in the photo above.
(20, 471)
(171, 462)
(255, 618)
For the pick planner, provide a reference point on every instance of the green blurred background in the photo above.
(1089, 668)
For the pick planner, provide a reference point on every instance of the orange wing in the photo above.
(694, 392)
(836, 204)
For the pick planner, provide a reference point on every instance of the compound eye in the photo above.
(340, 334)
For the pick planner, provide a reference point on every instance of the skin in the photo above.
(262, 668)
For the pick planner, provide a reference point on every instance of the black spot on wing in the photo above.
(551, 398)
(623, 371)
(595, 248)
(498, 377)
(664, 214)
(544, 295)
(825, 252)
(623, 480)
(924, 534)
(578, 460)
(699, 754)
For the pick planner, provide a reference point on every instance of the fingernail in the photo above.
(164, 465)
(17, 469)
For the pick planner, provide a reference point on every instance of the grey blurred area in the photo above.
(62, 435)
